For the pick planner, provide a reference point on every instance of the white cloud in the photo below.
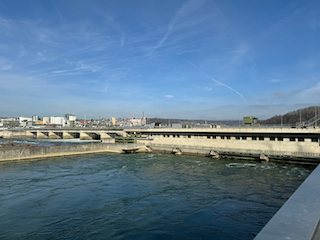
(4, 65)
(168, 96)
(275, 80)
(208, 89)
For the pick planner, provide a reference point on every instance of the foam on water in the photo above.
(240, 165)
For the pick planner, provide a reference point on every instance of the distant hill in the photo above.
(168, 121)
(293, 117)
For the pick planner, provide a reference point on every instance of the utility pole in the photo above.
(300, 117)
(281, 120)
(84, 122)
(315, 113)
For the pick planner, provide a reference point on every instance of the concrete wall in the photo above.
(42, 152)
(15, 134)
(307, 147)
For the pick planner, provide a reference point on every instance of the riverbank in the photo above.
(26, 153)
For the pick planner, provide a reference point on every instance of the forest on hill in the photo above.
(294, 116)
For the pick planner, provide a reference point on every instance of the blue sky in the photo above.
(177, 59)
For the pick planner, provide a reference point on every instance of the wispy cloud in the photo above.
(168, 96)
(275, 80)
(4, 64)
(187, 8)
(208, 89)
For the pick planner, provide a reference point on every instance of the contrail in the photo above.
(190, 63)
(305, 17)
(187, 8)
(220, 83)
(216, 81)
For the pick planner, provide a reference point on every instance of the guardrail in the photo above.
(299, 217)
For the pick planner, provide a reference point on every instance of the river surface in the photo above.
(47, 142)
(141, 196)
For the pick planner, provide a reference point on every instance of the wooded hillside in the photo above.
(293, 117)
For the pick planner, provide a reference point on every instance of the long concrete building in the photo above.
(265, 143)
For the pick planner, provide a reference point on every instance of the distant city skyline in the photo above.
(194, 59)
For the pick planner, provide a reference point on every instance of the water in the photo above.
(141, 196)
(47, 142)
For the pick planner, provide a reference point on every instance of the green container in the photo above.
(125, 139)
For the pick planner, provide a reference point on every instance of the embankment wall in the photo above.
(43, 152)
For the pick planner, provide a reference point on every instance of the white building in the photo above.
(136, 122)
(24, 119)
(72, 118)
(35, 118)
(45, 120)
(58, 121)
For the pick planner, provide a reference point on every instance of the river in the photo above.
(142, 196)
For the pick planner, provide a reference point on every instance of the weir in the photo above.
(293, 145)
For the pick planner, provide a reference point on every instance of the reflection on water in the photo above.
(141, 196)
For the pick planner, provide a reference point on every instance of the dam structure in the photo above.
(290, 144)
(269, 144)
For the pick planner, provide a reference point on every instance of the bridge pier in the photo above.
(53, 135)
(104, 136)
(42, 135)
(66, 135)
(85, 136)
